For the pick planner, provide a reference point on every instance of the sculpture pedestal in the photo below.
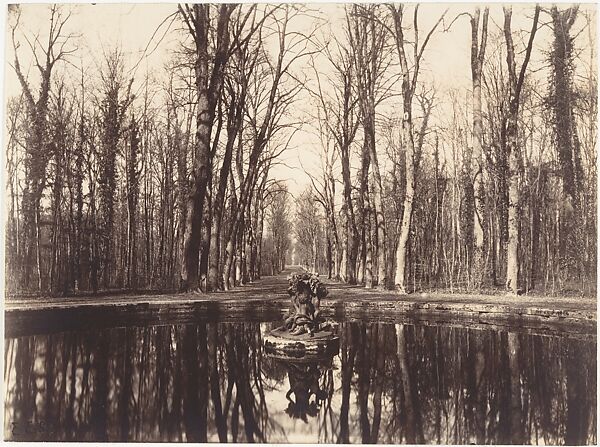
(281, 344)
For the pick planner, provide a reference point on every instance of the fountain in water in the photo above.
(305, 344)
(304, 332)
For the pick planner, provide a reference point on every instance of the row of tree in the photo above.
(497, 185)
(156, 181)
(166, 180)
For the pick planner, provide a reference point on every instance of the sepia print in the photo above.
(301, 223)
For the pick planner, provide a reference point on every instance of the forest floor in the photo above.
(269, 294)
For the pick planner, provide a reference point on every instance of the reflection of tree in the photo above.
(215, 391)
(243, 382)
(49, 357)
(326, 415)
(411, 404)
(371, 374)
(462, 386)
(425, 384)
(579, 391)
(516, 429)
(24, 393)
(240, 369)
(363, 373)
(99, 397)
(195, 381)
(379, 373)
(72, 369)
(125, 394)
(348, 347)
(476, 407)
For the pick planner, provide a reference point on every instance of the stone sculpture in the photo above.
(306, 291)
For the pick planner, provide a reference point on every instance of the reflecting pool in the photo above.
(389, 383)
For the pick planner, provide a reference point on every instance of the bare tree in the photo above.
(512, 144)
(37, 153)
(477, 58)
(280, 225)
(307, 229)
(338, 119)
(409, 83)
(368, 40)
(116, 99)
(273, 93)
(243, 62)
(209, 67)
(561, 101)
(133, 190)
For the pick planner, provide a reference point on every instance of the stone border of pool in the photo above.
(557, 314)
(55, 317)
(444, 305)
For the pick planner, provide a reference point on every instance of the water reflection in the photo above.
(389, 384)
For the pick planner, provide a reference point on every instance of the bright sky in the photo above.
(131, 26)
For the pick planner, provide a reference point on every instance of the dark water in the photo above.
(390, 383)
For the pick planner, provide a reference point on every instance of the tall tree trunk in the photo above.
(208, 87)
(512, 147)
(132, 202)
(37, 152)
(407, 138)
(477, 58)
(205, 240)
(351, 240)
(366, 268)
(230, 238)
(55, 276)
(328, 254)
(512, 266)
(345, 246)
(366, 37)
(561, 100)
(408, 89)
(79, 173)
(379, 220)
(369, 243)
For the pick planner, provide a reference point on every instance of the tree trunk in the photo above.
(366, 272)
(407, 138)
(351, 237)
(344, 262)
(205, 240)
(408, 89)
(197, 192)
(37, 151)
(513, 149)
(132, 200)
(329, 257)
(477, 58)
(379, 220)
(368, 241)
(512, 266)
(208, 87)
